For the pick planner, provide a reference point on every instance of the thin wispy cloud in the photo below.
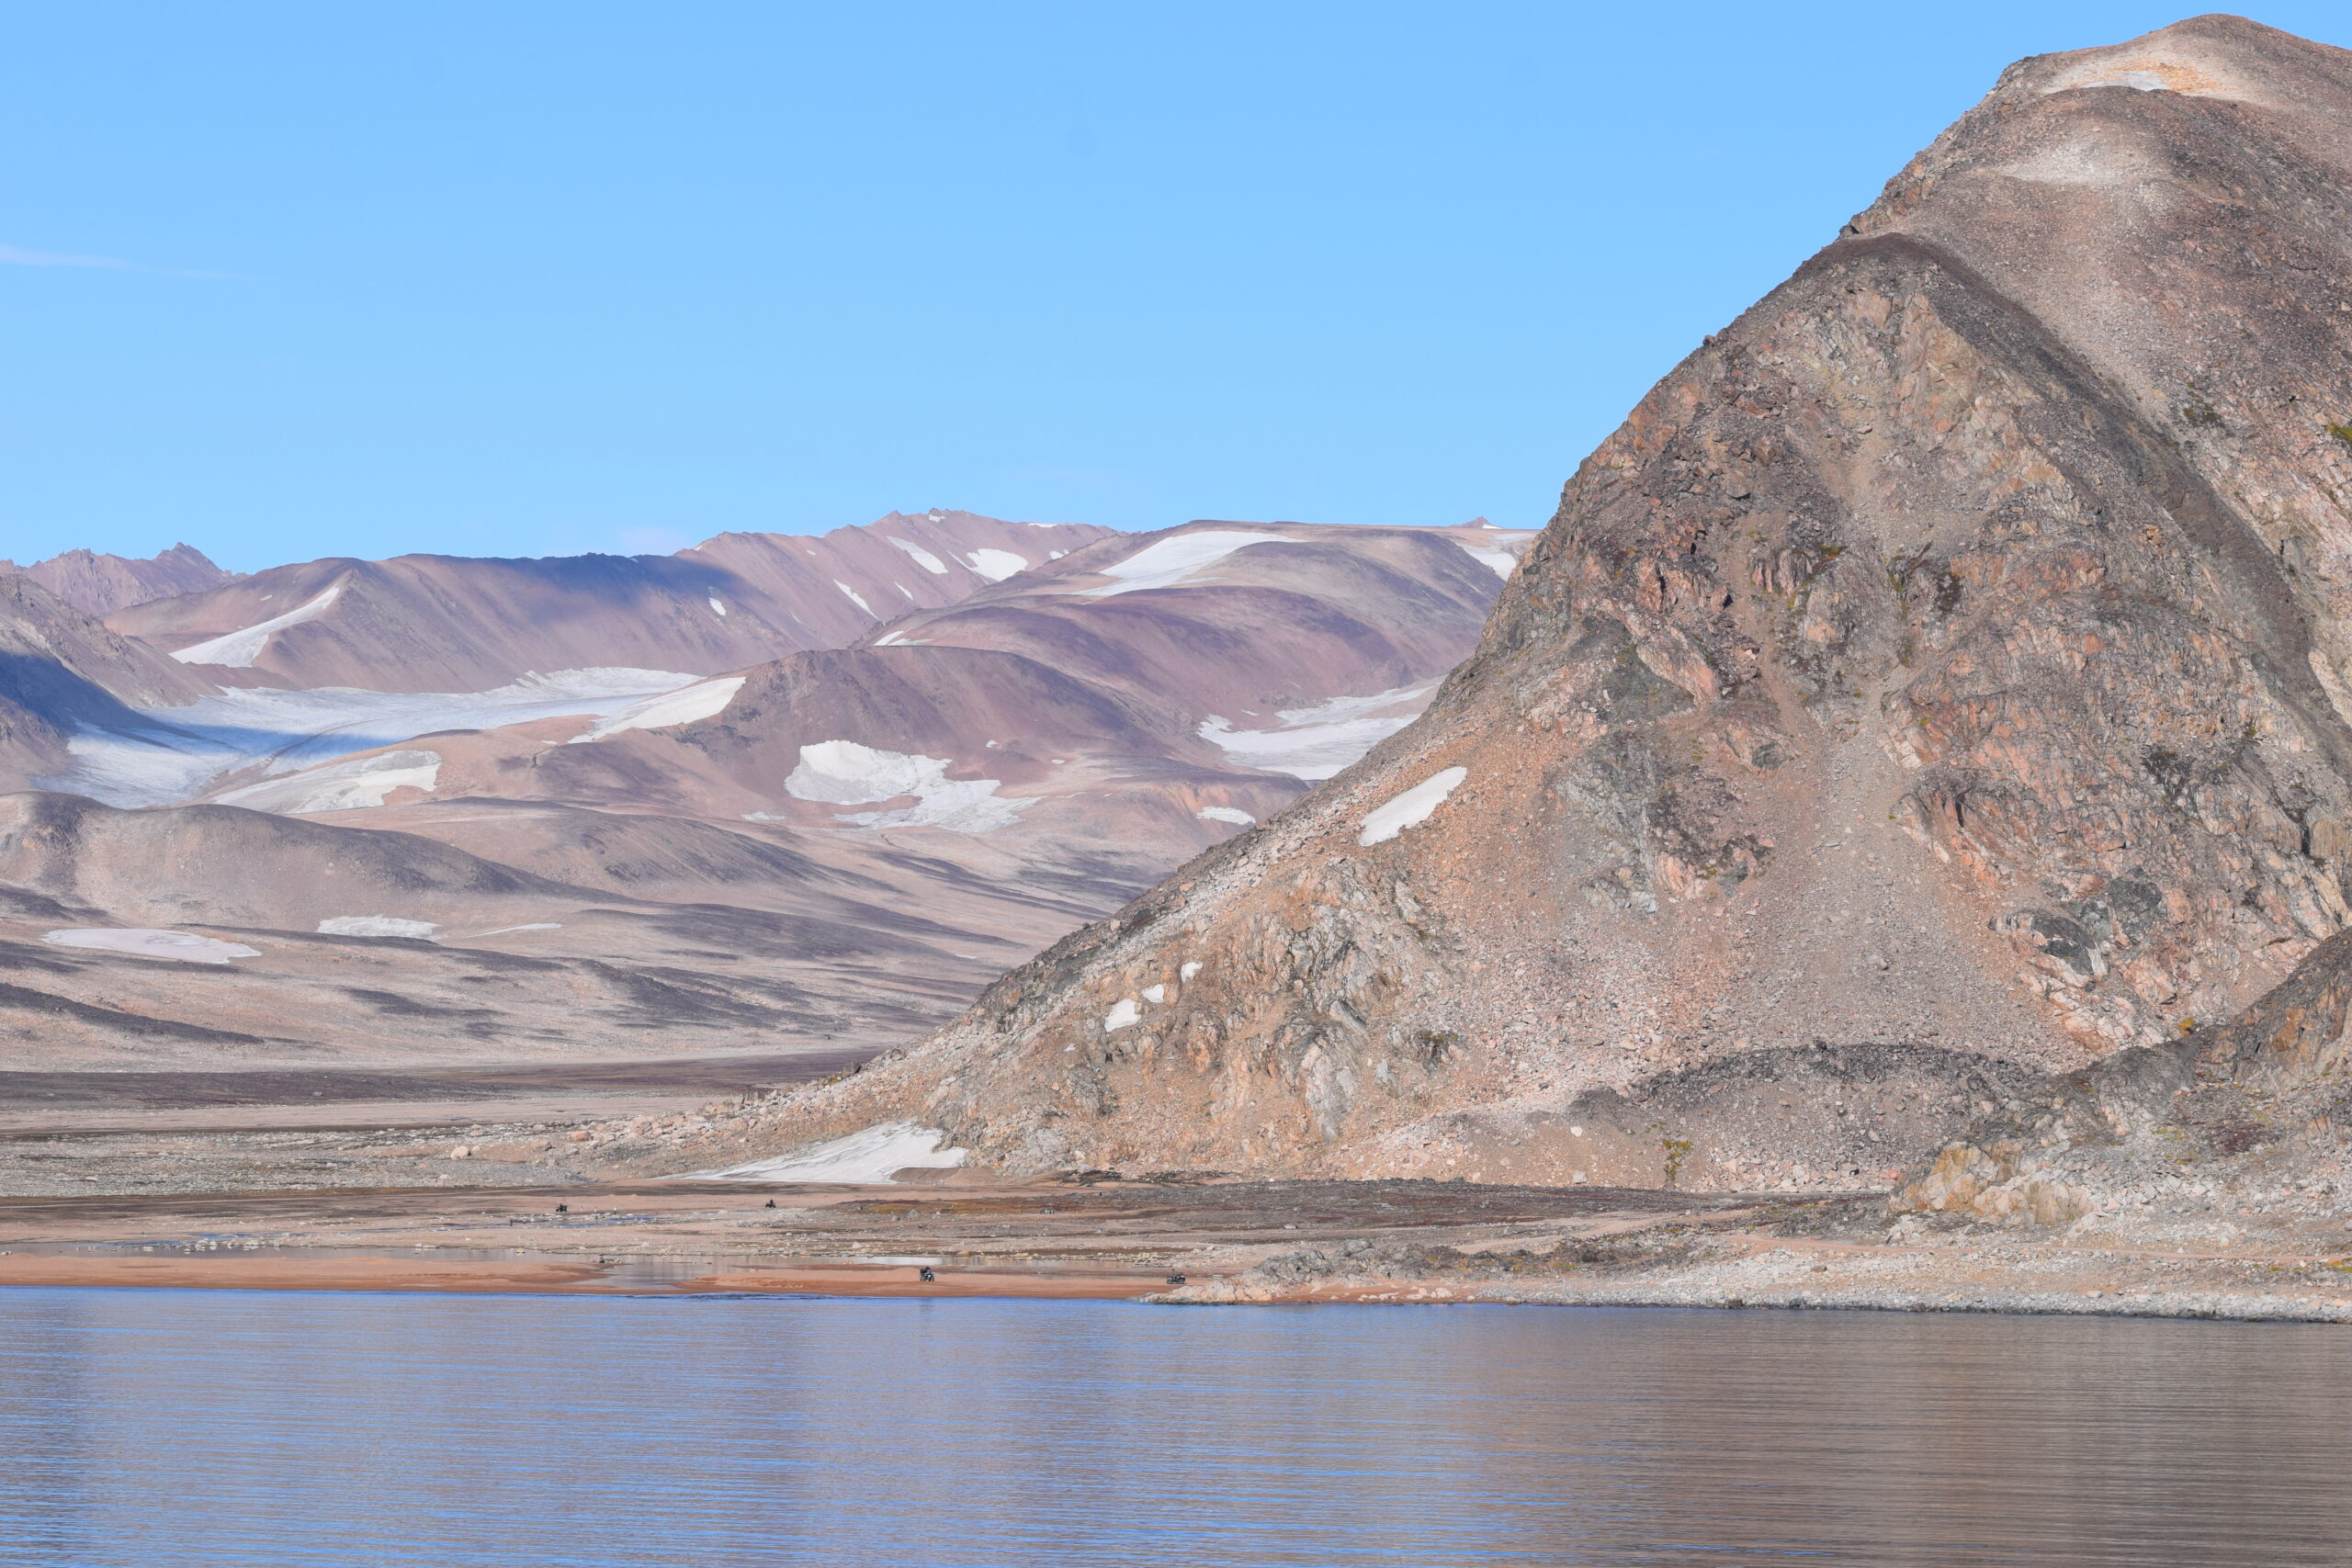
(20, 256)
(16, 255)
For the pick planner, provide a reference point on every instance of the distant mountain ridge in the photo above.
(101, 584)
(587, 803)
(431, 623)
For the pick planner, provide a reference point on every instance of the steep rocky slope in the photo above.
(462, 624)
(101, 584)
(1938, 680)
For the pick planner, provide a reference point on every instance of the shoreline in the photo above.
(524, 1276)
(1294, 1243)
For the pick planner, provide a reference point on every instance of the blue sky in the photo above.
(291, 280)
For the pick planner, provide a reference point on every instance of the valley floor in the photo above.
(448, 1184)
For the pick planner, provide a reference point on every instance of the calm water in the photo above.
(160, 1428)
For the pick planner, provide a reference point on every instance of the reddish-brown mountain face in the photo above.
(99, 585)
(1945, 666)
(459, 624)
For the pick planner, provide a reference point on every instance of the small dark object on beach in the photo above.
(564, 1208)
(928, 1277)
(1175, 1278)
(770, 1203)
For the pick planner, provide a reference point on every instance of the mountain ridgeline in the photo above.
(1939, 683)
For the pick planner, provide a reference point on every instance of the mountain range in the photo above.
(461, 810)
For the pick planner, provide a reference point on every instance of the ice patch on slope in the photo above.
(378, 925)
(868, 1155)
(842, 773)
(1171, 561)
(920, 557)
(855, 597)
(340, 786)
(1233, 815)
(1500, 562)
(716, 608)
(1124, 1014)
(237, 650)
(187, 749)
(1411, 808)
(703, 700)
(148, 943)
(1317, 741)
(996, 564)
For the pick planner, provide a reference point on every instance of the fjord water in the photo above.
(160, 1428)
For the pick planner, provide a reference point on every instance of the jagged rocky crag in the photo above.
(1939, 681)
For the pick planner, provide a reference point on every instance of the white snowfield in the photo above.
(868, 1155)
(854, 597)
(1232, 813)
(920, 557)
(1316, 742)
(381, 925)
(237, 650)
(1171, 561)
(184, 750)
(1411, 808)
(141, 942)
(716, 608)
(1124, 1014)
(842, 773)
(1500, 562)
(996, 564)
(705, 699)
(358, 783)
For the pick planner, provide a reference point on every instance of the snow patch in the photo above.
(844, 773)
(377, 925)
(1233, 815)
(1171, 561)
(502, 930)
(237, 650)
(703, 700)
(716, 608)
(2138, 81)
(1186, 970)
(869, 1155)
(1317, 741)
(1500, 562)
(1155, 994)
(1123, 1013)
(357, 785)
(996, 564)
(181, 752)
(920, 557)
(1411, 808)
(855, 597)
(148, 943)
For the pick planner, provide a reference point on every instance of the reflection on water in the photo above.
(160, 1428)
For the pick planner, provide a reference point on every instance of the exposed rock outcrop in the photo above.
(1946, 664)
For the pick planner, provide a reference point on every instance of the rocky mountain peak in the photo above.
(1941, 672)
